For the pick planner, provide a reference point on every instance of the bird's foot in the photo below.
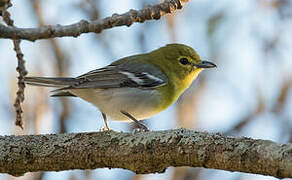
(141, 125)
(103, 129)
(141, 128)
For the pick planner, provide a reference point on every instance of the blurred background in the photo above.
(249, 94)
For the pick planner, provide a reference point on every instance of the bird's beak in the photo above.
(205, 64)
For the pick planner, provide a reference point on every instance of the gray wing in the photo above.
(123, 75)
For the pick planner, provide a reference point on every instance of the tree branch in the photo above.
(143, 152)
(20, 69)
(128, 18)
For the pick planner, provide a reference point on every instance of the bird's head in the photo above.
(180, 62)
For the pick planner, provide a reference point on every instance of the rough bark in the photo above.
(20, 69)
(97, 26)
(143, 152)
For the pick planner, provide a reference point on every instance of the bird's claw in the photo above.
(103, 129)
(142, 128)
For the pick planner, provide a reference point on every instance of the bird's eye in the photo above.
(184, 61)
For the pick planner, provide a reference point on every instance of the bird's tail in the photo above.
(59, 83)
(49, 82)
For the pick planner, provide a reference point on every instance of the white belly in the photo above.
(141, 104)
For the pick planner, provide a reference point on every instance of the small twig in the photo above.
(21, 70)
(4, 4)
(154, 12)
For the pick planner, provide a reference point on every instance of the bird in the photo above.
(133, 88)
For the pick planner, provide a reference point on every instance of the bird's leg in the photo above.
(106, 128)
(141, 125)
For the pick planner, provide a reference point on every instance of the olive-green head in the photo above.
(180, 62)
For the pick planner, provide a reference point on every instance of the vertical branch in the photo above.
(21, 71)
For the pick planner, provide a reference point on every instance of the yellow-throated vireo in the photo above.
(135, 87)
